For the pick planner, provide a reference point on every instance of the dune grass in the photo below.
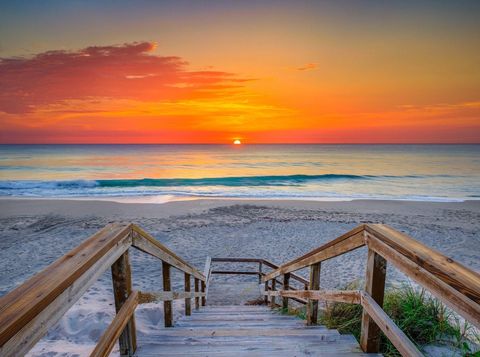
(420, 316)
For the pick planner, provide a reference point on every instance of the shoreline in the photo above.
(87, 206)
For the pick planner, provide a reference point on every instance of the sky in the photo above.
(258, 71)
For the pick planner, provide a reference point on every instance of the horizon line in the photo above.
(246, 144)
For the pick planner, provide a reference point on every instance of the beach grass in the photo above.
(424, 319)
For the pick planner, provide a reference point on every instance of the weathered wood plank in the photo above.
(375, 287)
(208, 274)
(188, 300)
(346, 296)
(167, 287)
(197, 290)
(446, 269)
(446, 293)
(113, 332)
(292, 275)
(21, 306)
(28, 334)
(145, 297)
(286, 282)
(389, 328)
(146, 243)
(260, 273)
(266, 288)
(237, 260)
(122, 289)
(343, 244)
(312, 305)
(271, 293)
(233, 272)
(202, 289)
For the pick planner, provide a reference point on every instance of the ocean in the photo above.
(160, 173)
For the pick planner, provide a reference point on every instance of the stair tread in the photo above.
(240, 330)
(258, 331)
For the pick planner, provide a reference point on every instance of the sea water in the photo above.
(157, 173)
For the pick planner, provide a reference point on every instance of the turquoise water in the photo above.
(166, 172)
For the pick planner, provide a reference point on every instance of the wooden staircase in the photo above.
(232, 329)
(236, 330)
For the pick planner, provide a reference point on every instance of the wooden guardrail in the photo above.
(455, 285)
(260, 273)
(27, 312)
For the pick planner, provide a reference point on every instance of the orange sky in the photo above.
(185, 73)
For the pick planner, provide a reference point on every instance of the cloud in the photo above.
(129, 71)
(307, 67)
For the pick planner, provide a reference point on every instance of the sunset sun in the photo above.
(237, 142)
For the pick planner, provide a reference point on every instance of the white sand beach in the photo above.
(34, 233)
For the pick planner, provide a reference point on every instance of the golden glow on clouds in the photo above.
(131, 93)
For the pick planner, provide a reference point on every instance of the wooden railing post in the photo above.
(312, 305)
(375, 287)
(167, 286)
(122, 288)
(188, 301)
(260, 272)
(266, 290)
(204, 299)
(197, 299)
(272, 300)
(286, 283)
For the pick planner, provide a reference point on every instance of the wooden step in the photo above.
(245, 331)
(240, 317)
(268, 347)
(278, 331)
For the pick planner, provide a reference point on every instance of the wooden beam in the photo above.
(147, 244)
(197, 290)
(30, 310)
(286, 281)
(265, 289)
(167, 286)
(208, 273)
(188, 300)
(389, 328)
(237, 260)
(233, 272)
(446, 293)
(116, 328)
(202, 289)
(122, 289)
(272, 300)
(145, 297)
(346, 296)
(312, 305)
(375, 287)
(343, 244)
(292, 275)
(445, 268)
(260, 274)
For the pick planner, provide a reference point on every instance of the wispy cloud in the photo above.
(307, 67)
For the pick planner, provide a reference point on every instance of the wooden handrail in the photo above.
(349, 241)
(454, 284)
(146, 243)
(111, 335)
(444, 268)
(255, 260)
(27, 312)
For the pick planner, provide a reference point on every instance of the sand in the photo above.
(34, 233)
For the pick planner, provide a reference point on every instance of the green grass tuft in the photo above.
(421, 317)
